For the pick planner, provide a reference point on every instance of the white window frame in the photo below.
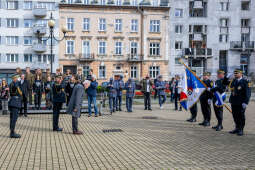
(30, 58)
(28, 5)
(12, 22)
(154, 71)
(86, 24)
(133, 72)
(118, 48)
(118, 2)
(134, 25)
(102, 48)
(154, 49)
(178, 13)
(86, 48)
(134, 2)
(70, 24)
(178, 29)
(102, 73)
(223, 38)
(30, 25)
(12, 5)
(179, 45)
(224, 22)
(154, 25)
(134, 47)
(224, 6)
(118, 25)
(102, 24)
(29, 39)
(12, 58)
(102, 2)
(70, 47)
(86, 2)
(12, 40)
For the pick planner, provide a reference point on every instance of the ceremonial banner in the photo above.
(192, 89)
(220, 98)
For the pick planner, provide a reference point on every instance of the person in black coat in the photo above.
(205, 100)
(69, 89)
(48, 93)
(24, 86)
(239, 99)
(38, 90)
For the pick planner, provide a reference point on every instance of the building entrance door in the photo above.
(72, 68)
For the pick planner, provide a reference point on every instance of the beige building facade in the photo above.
(115, 40)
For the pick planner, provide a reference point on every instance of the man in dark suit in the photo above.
(14, 104)
(239, 99)
(24, 86)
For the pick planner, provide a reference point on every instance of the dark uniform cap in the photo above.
(58, 76)
(238, 71)
(221, 71)
(15, 76)
(206, 74)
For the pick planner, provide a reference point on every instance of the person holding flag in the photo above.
(219, 96)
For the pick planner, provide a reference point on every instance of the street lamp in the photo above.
(51, 24)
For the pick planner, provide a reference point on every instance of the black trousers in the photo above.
(156, 93)
(239, 116)
(30, 96)
(176, 100)
(67, 100)
(193, 111)
(206, 110)
(23, 105)
(75, 123)
(147, 100)
(219, 114)
(56, 111)
(14, 114)
(118, 102)
(38, 98)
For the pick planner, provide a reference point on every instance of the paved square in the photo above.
(167, 142)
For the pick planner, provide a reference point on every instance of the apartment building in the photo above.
(20, 22)
(115, 37)
(212, 34)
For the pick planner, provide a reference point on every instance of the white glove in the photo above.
(244, 105)
(208, 89)
(209, 101)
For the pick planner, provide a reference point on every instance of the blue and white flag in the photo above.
(192, 89)
(220, 98)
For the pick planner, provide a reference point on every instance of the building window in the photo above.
(12, 4)
(102, 71)
(12, 40)
(28, 58)
(134, 2)
(133, 49)
(70, 47)
(155, 26)
(86, 70)
(224, 22)
(133, 72)
(28, 23)
(102, 48)
(102, 2)
(245, 22)
(45, 58)
(28, 40)
(86, 25)
(245, 37)
(178, 29)
(178, 13)
(134, 25)
(70, 24)
(13, 58)
(86, 49)
(154, 2)
(223, 38)
(118, 25)
(12, 23)
(47, 5)
(69, 1)
(224, 6)
(102, 24)
(119, 2)
(154, 49)
(86, 2)
(245, 5)
(27, 5)
(223, 60)
(154, 71)
(178, 45)
(118, 48)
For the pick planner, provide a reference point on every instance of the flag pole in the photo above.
(180, 60)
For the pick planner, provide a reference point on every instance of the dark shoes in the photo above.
(14, 135)
(150, 109)
(58, 129)
(77, 132)
(145, 108)
(191, 120)
(219, 128)
(204, 124)
(240, 133)
(235, 131)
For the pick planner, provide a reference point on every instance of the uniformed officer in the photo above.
(193, 110)
(58, 100)
(161, 86)
(119, 93)
(220, 87)
(69, 89)
(239, 99)
(112, 94)
(48, 93)
(30, 78)
(205, 100)
(14, 104)
(130, 93)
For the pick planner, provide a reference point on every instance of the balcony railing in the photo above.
(39, 28)
(86, 57)
(39, 12)
(198, 52)
(242, 45)
(134, 57)
(39, 48)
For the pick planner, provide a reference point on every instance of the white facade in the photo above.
(227, 18)
(19, 45)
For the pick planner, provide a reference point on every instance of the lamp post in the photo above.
(51, 24)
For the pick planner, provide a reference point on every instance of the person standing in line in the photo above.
(161, 86)
(171, 88)
(239, 99)
(24, 86)
(48, 93)
(147, 84)
(177, 92)
(112, 94)
(58, 100)
(80, 75)
(92, 93)
(38, 90)
(69, 89)
(30, 78)
(75, 104)
(4, 96)
(14, 105)
(119, 93)
(155, 89)
(130, 93)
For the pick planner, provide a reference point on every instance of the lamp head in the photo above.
(51, 23)
(64, 30)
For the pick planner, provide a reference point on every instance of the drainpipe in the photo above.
(142, 36)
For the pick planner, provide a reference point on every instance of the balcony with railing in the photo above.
(39, 12)
(134, 57)
(39, 28)
(39, 48)
(198, 52)
(86, 57)
(242, 45)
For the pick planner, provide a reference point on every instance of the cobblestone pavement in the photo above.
(166, 142)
